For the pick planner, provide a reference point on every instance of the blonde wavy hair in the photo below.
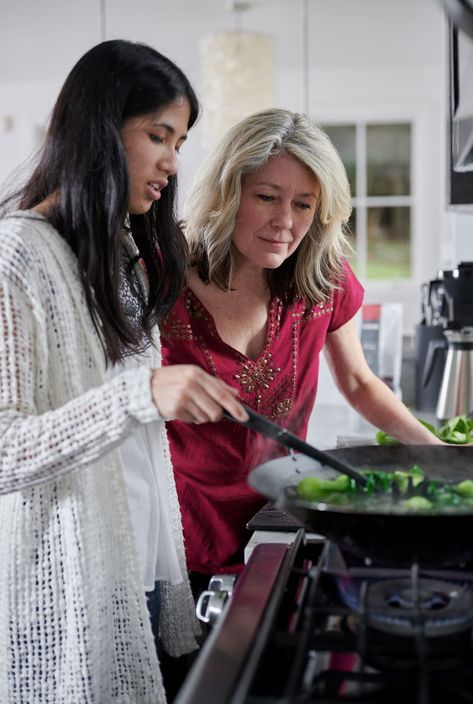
(315, 267)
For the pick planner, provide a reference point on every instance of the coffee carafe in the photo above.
(444, 344)
(456, 390)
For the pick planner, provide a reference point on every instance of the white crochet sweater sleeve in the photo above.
(36, 446)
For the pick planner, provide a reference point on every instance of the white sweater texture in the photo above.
(74, 627)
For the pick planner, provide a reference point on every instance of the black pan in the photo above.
(389, 538)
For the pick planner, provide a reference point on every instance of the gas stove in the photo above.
(306, 623)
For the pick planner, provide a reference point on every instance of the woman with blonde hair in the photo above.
(215, 199)
(269, 287)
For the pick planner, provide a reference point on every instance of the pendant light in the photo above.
(238, 76)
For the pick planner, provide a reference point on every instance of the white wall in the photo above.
(367, 58)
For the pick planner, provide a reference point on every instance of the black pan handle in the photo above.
(281, 435)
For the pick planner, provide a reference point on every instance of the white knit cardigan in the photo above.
(74, 627)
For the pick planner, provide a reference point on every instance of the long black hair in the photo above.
(84, 162)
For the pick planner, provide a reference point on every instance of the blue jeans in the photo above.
(153, 599)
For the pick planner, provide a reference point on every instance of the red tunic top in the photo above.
(212, 461)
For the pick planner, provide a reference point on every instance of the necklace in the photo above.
(139, 266)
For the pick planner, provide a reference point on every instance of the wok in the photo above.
(429, 537)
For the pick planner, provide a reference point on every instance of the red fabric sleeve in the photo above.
(347, 299)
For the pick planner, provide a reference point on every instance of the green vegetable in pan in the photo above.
(465, 488)
(410, 490)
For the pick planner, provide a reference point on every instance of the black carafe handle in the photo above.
(432, 349)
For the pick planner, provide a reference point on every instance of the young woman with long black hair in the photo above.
(90, 262)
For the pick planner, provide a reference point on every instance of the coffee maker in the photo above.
(444, 344)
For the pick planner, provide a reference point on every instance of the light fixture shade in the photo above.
(238, 78)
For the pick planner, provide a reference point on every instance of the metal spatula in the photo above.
(281, 435)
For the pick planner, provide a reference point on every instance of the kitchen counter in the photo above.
(338, 426)
(341, 426)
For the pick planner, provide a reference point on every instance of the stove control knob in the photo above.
(210, 605)
(222, 583)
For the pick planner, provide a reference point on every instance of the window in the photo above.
(377, 157)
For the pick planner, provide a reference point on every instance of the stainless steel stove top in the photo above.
(302, 625)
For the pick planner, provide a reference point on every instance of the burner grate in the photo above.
(408, 637)
(338, 634)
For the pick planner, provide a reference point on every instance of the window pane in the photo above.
(389, 236)
(344, 140)
(388, 149)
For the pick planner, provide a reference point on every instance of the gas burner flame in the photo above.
(430, 601)
(400, 607)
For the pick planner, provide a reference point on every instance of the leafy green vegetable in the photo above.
(417, 502)
(465, 488)
(456, 431)
(313, 488)
(383, 438)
